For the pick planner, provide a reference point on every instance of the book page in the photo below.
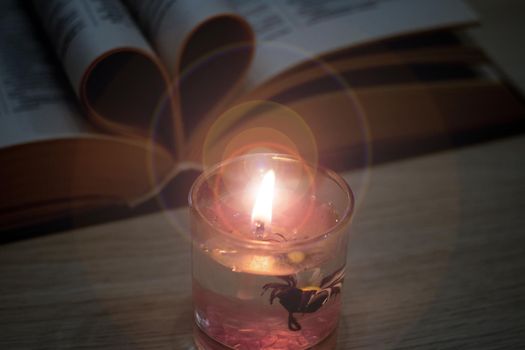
(205, 45)
(293, 31)
(35, 103)
(170, 23)
(114, 71)
(83, 31)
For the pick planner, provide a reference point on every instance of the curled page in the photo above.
(205, 45)
(172, 25)
(107, 60)
(53, 160)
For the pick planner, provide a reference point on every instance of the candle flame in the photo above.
(262, 209)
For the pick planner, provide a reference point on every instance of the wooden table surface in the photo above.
(436, 260)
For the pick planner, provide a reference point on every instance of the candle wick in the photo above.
(259, 229)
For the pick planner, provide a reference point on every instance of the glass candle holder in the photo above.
(269, 236)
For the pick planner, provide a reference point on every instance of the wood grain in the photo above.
(436, 260)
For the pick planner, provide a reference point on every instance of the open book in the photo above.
(107, 101)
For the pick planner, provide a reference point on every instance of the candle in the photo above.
(269, 239)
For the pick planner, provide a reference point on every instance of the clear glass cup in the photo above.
(278, 287)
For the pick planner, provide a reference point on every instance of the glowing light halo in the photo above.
(307, 170)
(89, 271)
(344, 88)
